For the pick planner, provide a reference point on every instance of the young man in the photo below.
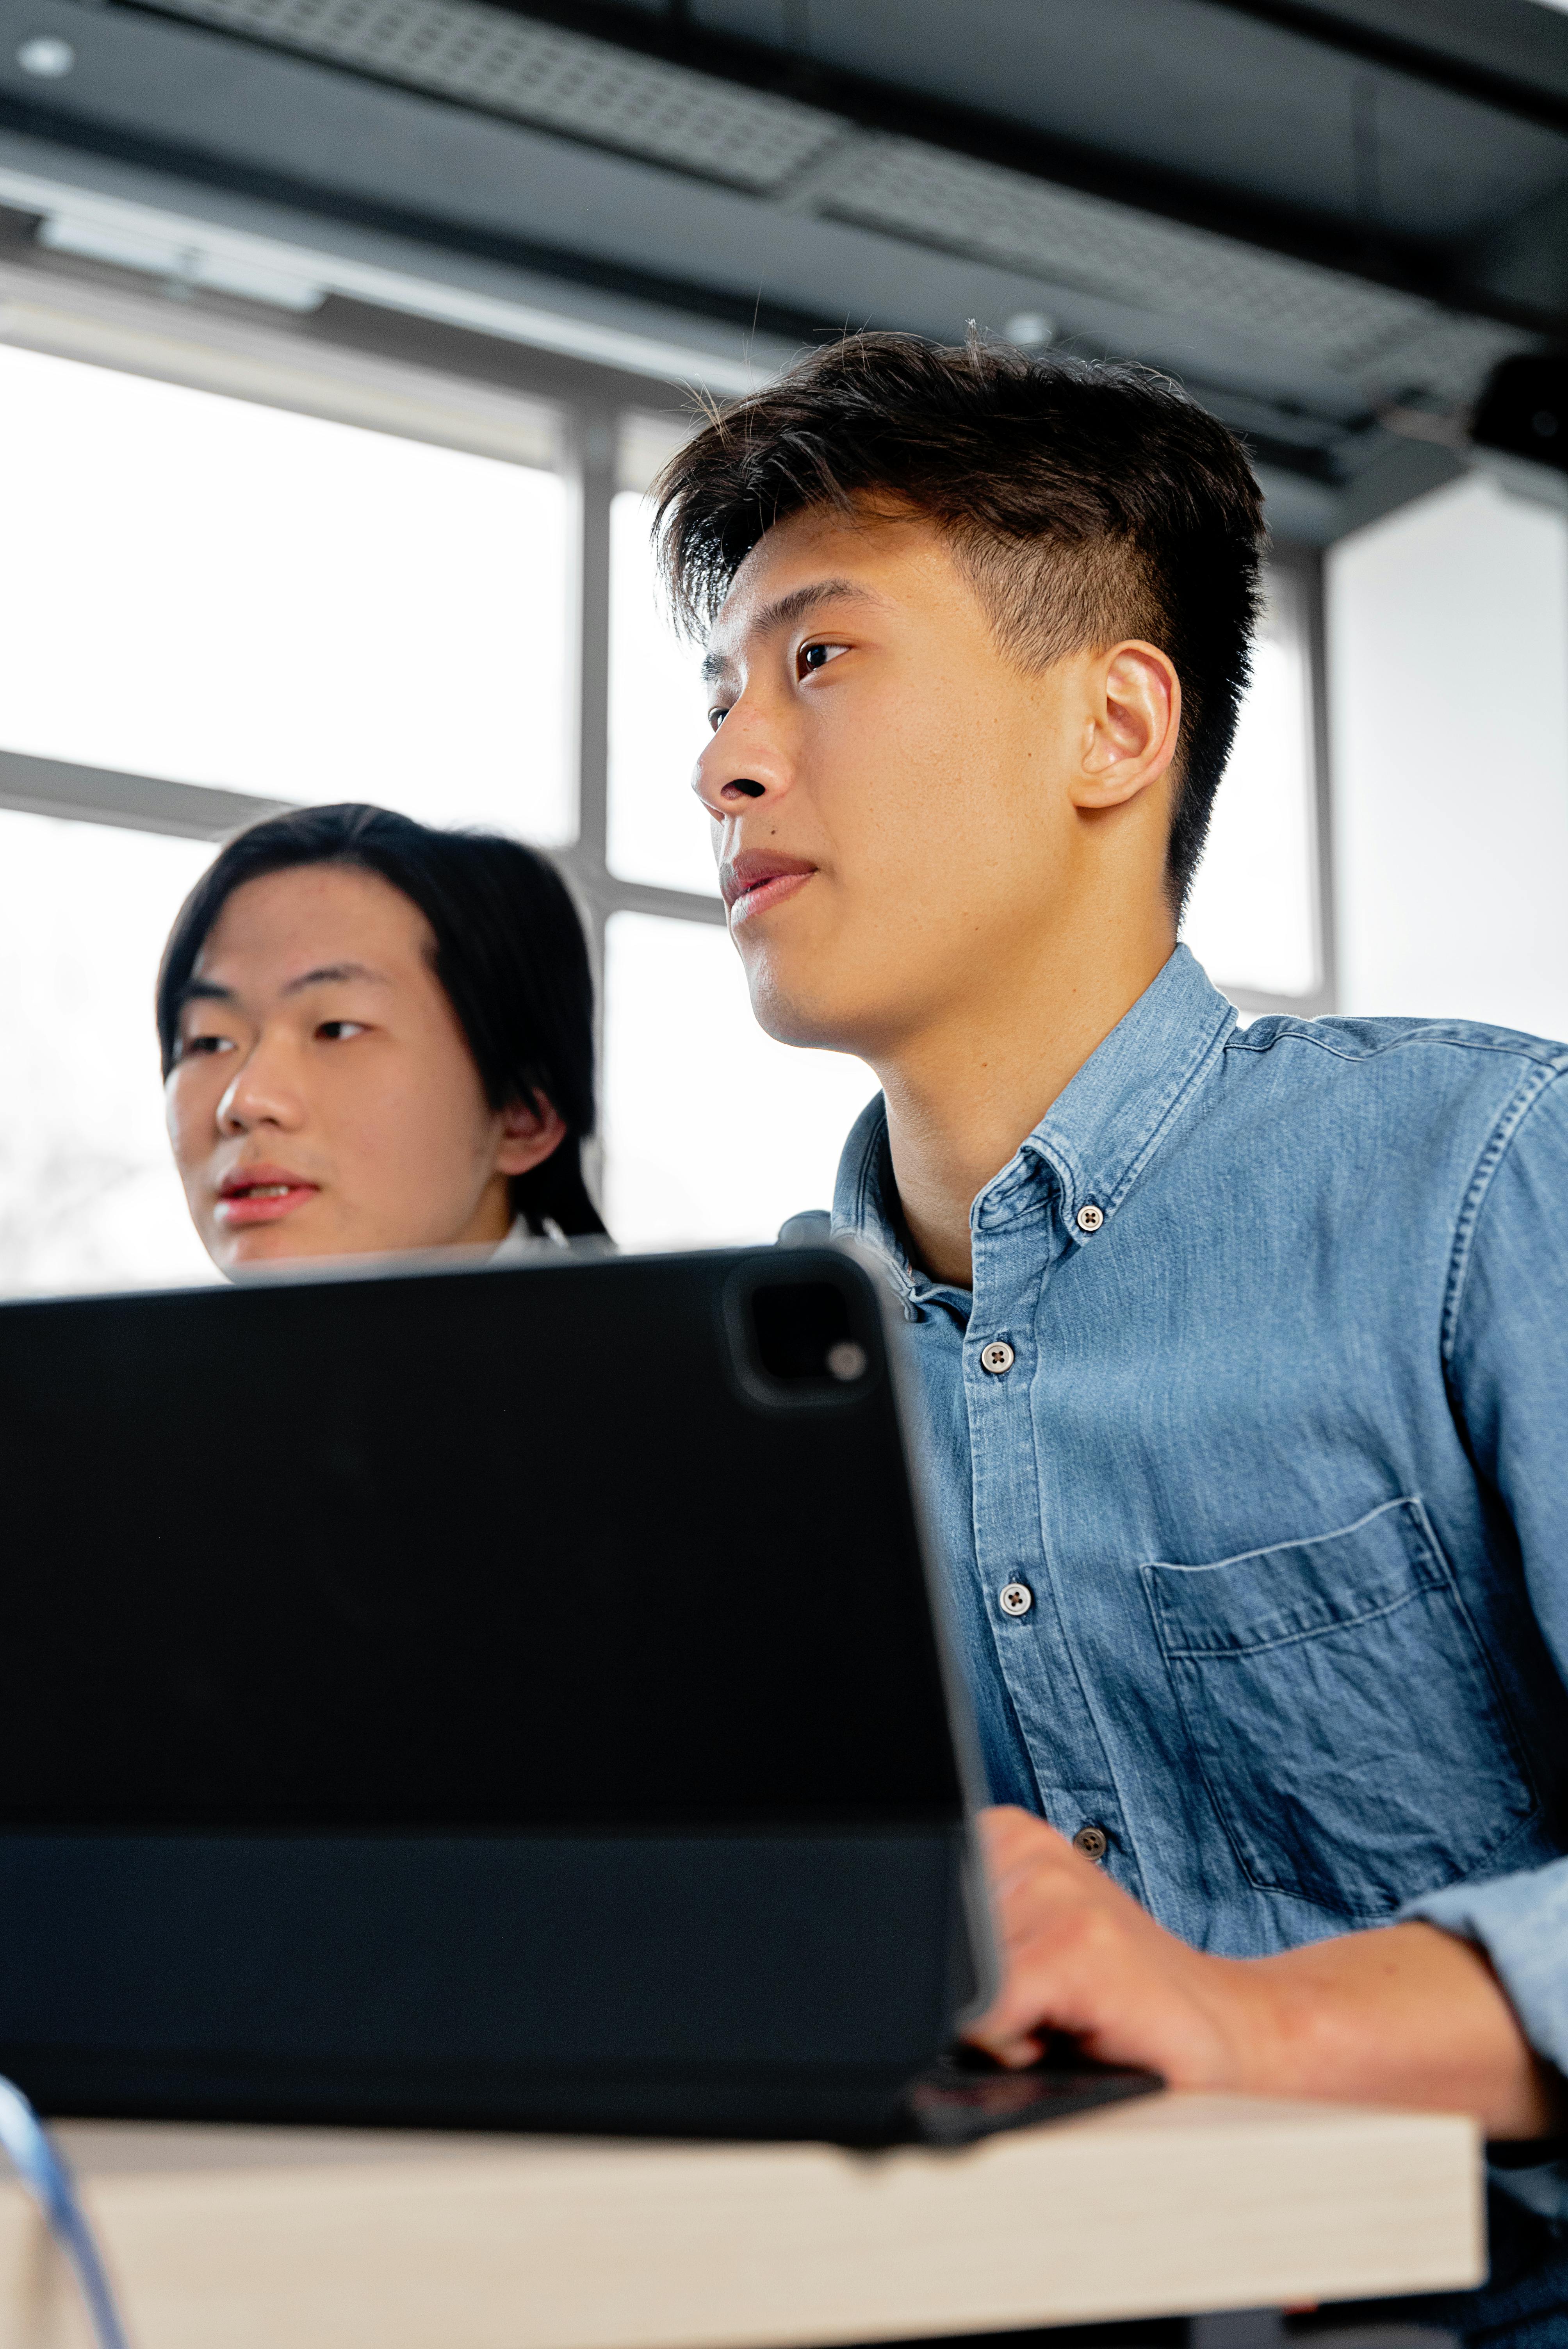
(377, 1036)
(1245, 1351)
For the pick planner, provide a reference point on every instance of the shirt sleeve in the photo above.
(1508, 1365)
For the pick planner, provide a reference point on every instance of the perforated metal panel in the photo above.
(1346, 326)
(560, 81)
(1391, 345)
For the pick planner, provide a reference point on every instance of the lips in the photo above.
(759, 879)
(261, 1194)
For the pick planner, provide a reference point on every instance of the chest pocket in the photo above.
(1353, 1739)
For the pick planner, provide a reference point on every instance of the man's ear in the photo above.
(529, 1133)
(1131, 723)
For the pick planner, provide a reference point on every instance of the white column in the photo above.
(1447, 653)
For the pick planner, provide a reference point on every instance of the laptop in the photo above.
(487, 1697)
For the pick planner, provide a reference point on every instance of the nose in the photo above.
(742, 763)
(263, 1093)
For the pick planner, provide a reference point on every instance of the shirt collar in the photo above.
(1091, 1146)
(520, 1244)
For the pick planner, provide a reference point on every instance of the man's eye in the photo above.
(715, 718)
(339, 1031)
(812, 658)
(189, 1046)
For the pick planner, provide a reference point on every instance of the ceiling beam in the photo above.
(1380, 256)
(1438, 66)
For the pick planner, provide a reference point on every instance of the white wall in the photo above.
(1448, 651)
(1252, 920)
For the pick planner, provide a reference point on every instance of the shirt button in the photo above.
(1093, 1842)
(997, 1357)
(1090, 1217)
(1014, 1599)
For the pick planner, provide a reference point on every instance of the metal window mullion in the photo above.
(593, 455)
(80, 794)
(590, 456)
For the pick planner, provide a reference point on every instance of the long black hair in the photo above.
(510, 952)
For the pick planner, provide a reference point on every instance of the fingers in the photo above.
(1045, 1898)
(1005, 1829)
(1016, 2055)
(1063, 1957)
(1026, 1861)
(1077, 1950)
(1081, 1957)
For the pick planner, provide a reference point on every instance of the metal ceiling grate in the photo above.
(1388, 344)
(1374, 336)
(556, 80)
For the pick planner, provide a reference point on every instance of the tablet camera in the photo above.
(804, 1338)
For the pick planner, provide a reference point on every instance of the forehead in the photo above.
(900, 560)
(314, 915)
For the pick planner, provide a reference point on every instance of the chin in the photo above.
(810, 1014)
(260, 1244)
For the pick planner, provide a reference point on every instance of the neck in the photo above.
(963, 1092)
(492, 1217)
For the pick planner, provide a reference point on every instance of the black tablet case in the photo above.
(482, 1697)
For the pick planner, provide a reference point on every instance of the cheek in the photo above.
(950, 807)
(191, 1099)
(886, 768)
(420, 1118)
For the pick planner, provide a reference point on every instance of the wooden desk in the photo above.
(286, 2239)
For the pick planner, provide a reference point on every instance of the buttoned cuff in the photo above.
(1521, 1924)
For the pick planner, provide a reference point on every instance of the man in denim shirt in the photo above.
(1245, 1352)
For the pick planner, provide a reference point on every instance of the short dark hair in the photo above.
(508, 951)
(1089, 500)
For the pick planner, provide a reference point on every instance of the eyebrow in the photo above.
(785, 611)
(330, 974)
(207, 990)
(203, 990)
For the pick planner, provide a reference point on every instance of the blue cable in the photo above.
(46, 2176)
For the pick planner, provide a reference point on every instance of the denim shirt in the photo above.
(1249, 1473)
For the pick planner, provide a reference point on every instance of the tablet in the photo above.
(511, 1697)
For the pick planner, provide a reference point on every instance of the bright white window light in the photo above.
(1252, 918)
(713, 1132)
(658, 833)
(202, 588)
(89, 1194)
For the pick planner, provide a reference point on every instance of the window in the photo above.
(712, 1131)
(88, 1196)
(658, 834)
(247, 564)
(218, 591)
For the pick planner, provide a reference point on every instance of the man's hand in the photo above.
(1079, 1955)
(1398, 2015)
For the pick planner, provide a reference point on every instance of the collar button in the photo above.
(1090, 1217)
